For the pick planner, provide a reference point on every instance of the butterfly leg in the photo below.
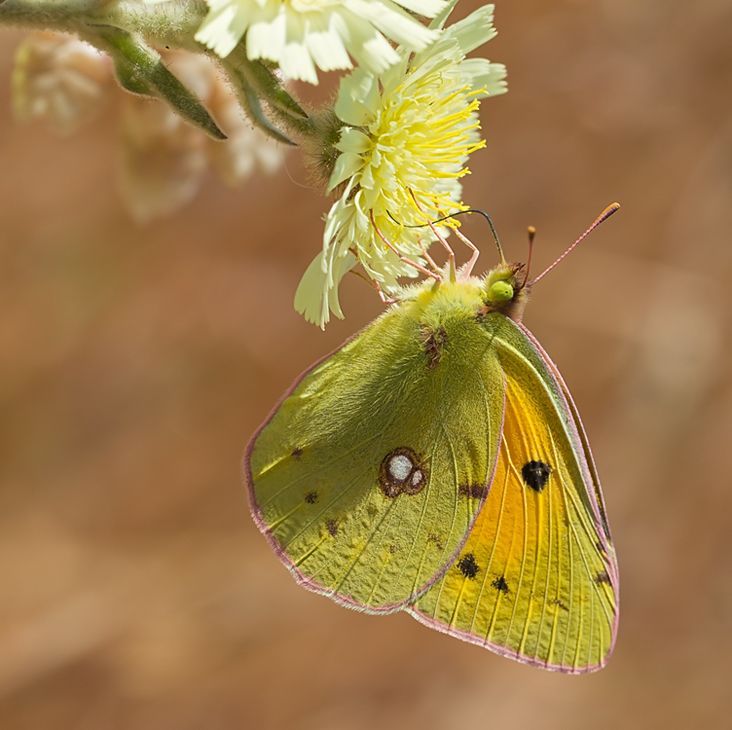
(401, 257)
(380, 292)
(427, 256)
(438, 235)
(375, 284)
(469, 268)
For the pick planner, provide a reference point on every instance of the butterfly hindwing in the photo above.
(369, 475)
(537, 578)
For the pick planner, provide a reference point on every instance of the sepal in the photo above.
(140, 69)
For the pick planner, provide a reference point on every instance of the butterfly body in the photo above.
(436, 463)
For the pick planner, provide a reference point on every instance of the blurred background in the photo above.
(136, 361)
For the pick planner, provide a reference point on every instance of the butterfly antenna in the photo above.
(455, 215)
(493, 229)
(532, 233)
(603, 216)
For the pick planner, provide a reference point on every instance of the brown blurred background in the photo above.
(135, 590)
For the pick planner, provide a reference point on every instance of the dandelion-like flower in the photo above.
(408, 135)
(302, 34)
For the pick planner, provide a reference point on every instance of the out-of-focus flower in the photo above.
(408, 135)
(59, 79)
(163, 159)
(302, 34)
(247, 148)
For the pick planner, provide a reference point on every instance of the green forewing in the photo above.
(420, 383)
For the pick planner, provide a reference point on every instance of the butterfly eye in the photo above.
(500, 291)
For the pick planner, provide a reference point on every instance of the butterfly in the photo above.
(436, 463)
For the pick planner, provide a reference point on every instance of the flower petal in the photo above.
(315, 299)
(473, 31)
(358, 98)
(393, 22)
(346, 165)
(325, 43)
(485, 75)
(301, 36)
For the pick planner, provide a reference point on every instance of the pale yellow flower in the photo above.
(301, 35)
(408, 135)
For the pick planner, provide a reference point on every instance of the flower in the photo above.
(60, 79)
(302, 34)
(164, 159)
(247, 148)
(407, 136)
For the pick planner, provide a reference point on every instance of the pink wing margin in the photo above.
(281, 553)
(589, 470)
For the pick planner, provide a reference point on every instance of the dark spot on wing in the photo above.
(561, 604)
(472, 491)
(467, 566)
(536, 474)
(332, 527)
(434, 343)
(435, 540)
(500, 584)
(602, 577)
(402, 471)
(296, 454)
(393, 549)
(311, 497)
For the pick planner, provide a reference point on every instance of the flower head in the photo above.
(302, 34)
(407, 136)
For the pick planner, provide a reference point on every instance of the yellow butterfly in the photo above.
(436, 463)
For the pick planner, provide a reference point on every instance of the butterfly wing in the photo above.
(537, 578)
(601, 511)
(368, 476)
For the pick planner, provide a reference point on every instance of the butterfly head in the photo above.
(506, 291)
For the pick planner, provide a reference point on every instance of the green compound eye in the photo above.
(500, 291)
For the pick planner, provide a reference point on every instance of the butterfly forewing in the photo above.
(537, 578)
(369, 475)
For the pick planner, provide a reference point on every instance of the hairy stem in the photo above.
(172, 23)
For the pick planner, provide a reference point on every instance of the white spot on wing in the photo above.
(399, 467)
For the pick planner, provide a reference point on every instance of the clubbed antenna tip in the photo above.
(603, 216)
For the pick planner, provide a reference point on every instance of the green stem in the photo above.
(165, 24)
(171, 24)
